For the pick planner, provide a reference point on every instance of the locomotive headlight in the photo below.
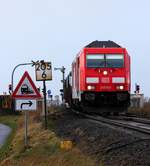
(90, 87)
(105, 72)
(121, 87)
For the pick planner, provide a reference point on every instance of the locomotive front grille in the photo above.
(105, 80)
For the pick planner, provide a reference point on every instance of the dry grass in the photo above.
(142, 112)
(44, 148)
(54, 109)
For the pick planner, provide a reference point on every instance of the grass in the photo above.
(44, 148)
(141, 112)
(44, 145)
(10, 121)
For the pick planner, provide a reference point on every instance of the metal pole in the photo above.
(12, 79)
(12, 76)
(63, 79)
(62, 69)
(26, 129)
(45, 108)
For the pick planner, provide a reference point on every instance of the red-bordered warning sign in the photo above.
(26, 88)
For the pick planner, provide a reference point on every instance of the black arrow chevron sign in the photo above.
(26, 105)
(29, 104)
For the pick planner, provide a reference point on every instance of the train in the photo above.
(100, 79)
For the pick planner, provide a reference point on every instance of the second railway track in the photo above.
(136, 124)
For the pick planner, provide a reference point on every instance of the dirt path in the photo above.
(4, 132)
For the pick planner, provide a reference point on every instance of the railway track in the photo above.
(131, 123)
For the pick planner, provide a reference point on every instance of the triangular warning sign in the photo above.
(26, 88)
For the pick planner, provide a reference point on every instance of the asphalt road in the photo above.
(4, 132)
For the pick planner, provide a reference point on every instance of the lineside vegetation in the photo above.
(44, 147)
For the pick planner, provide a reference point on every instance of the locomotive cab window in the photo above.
(95, 61)
(115, 60)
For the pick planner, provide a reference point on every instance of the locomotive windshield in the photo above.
(105, 60)
(95, 60)
(114, 60)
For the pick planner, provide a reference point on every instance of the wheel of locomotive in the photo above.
(105, 114)
(116, 113)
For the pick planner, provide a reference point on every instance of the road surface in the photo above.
(4, 132)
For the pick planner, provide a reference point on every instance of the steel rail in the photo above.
(141, 120)
(117, 123)
(128, 118)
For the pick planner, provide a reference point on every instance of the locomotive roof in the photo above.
(103, 44)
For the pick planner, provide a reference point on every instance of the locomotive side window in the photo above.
(115, 60)
(95, 61)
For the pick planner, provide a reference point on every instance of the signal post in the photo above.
(44, 73)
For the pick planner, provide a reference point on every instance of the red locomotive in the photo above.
(100, 78)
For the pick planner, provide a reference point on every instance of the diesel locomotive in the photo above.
(100, 78)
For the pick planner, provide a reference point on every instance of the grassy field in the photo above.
(44, 147)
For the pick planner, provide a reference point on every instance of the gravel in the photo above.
(110, 146)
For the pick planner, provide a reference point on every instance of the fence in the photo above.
(5, 103)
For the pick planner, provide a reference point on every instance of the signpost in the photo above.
(49, 93)
(44, 73)
(25, 95)
(26, 105)
(26, 92)
(26, 88)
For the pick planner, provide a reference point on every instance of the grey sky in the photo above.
(57, 30)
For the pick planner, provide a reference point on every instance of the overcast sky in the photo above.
(57, 30)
